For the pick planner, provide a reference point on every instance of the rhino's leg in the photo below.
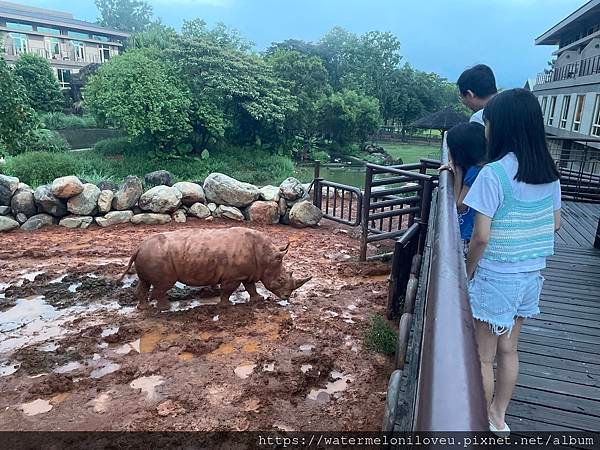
(142, 294)
(251, 289)
(227, 289)
(160, 294)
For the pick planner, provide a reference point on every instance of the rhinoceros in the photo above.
(209, 257)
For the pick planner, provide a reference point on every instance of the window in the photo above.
(104, 53)
(596, 118)
(79, 50)
(544, 104)
(53, 45)
(20, 45)
(77, 34)
(48, 30)
(101, 38)
(564, 113)
(19, 26)
(578, 113)
(64, 77)
(552, 110)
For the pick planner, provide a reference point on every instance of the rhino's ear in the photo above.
(284, 249)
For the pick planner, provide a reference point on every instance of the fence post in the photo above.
(365, 213)
(317, 197)
(400, 274)
(597, 240)
(424, 214)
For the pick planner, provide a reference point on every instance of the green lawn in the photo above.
(411, 153)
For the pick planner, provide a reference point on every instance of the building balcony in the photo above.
(578, 69)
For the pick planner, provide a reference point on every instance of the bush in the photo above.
(37, 168)
(61, 121)
(381, 337)
(40, 83)
(320, 155)
(48, 141)
(116, 146)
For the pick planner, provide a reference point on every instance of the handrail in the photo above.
(450, 393)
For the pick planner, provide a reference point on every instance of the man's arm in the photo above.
(479, 241)
(556, 220)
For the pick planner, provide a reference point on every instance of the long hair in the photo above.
(466, 143)
(516, 124)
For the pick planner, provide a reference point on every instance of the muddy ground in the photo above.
(75, 353)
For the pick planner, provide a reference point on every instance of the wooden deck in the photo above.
(559, 381)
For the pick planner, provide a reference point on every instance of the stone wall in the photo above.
(74, 203)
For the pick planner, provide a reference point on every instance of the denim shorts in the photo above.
(497, 298)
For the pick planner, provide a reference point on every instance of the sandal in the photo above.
(504, 432)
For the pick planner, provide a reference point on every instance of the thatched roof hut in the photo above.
(442, 120)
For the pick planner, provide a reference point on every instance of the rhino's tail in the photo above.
(131, 261)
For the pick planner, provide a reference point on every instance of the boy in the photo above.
(477, 86)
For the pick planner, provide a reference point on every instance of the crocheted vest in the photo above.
(520, 230)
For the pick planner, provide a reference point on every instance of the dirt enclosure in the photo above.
(75, 353)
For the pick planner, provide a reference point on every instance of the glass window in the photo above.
(19, 26)
(53, 45)
(101, 38)
(564, 113)
(20, 44)
(596, 118)
(552, 110)
(578, 113)
(48, 30)
(79, 50)
(544, 105)
(64, 77)
(104, 53)
(79, 35)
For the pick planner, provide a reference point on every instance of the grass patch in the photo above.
(410, 153)
(381, 337)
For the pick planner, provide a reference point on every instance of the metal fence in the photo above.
(583, 68)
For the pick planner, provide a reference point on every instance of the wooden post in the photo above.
(365, 214)
(317, 197)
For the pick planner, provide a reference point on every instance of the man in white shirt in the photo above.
(476, 87)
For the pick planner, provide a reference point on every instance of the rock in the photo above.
(128, 194)
(160, 177)
(7, 223)
(8, 186)
(67, 187)
(229, 212)
(263, 212)
(151, 219)
(114, 218)
(305, 214)
(76, 221)
(285, 218)
(190, 193)
(283, 207)
(200, 211)
(106, 185)
(269, 193)
(105, 201)
(21, 218)
(179, 216)
(291, 189)
(137, 210)
(225, 190)
(38, 221)
(86, 203)
(48, 203)
(161, 199)
(24, 186)
(209, 219)
(5, 210)
(212, 207)
(23, 202)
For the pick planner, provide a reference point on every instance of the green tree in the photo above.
(40, 83)
(141, 94)
(125, 15)
(17, 119)
(155, 35)
(348, 116)
(221, 35)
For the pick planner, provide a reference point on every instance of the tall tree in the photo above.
(40, 83)
(125, 15)
(220, 35)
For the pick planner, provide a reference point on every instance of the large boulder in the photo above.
(48, 202)
(161, 199)
(8, 186)
(105, 201)
(128, 194)
(5, 210)
(199, 210)
(38, 221)
(291, 189)
(86, 203)
(23, 202)
(151, 219)
(263, 212)
(190, 193)
(224, 190)
(158, 178)
(67, 187)
(76, 221)
(229, 212)
(305, 214)
(106, 185)
(114, 218)
(269, 193)
(7, 223)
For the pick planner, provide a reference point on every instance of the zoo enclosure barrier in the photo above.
(437, 384)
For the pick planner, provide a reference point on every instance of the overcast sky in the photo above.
(442, 36)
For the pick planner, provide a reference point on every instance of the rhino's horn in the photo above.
(285, 248)
(301, 282)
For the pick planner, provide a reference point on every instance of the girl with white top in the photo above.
(517, 199)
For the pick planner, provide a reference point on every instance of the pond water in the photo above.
(345, 171)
